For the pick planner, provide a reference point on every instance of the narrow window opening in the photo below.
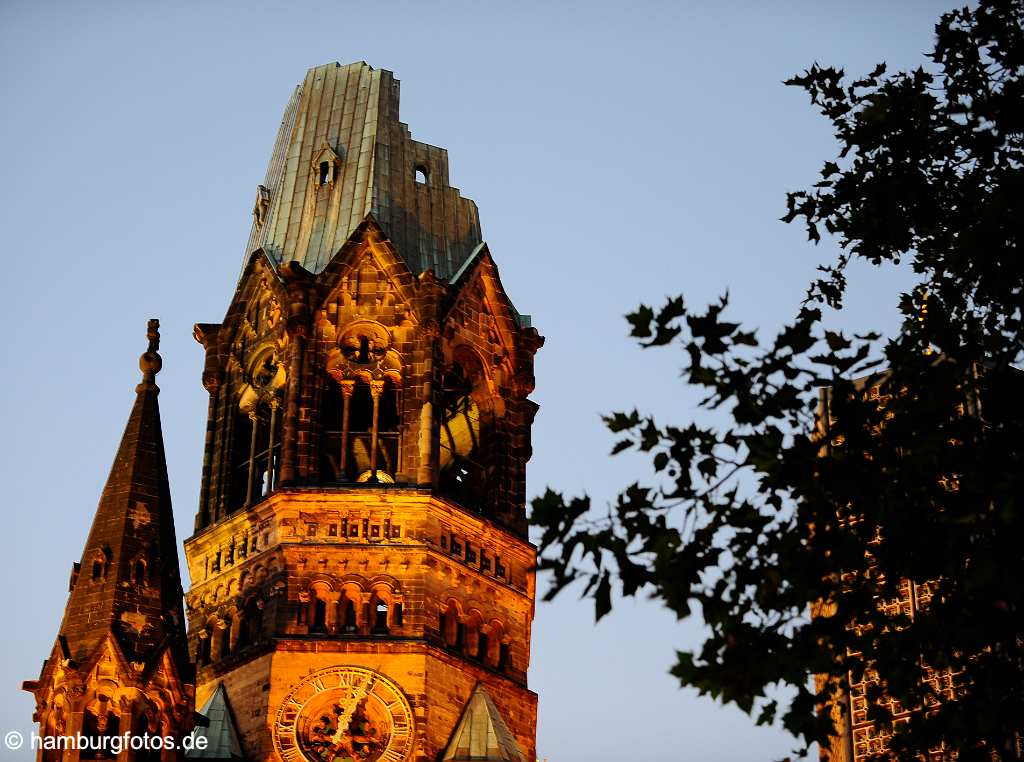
(422, 176)
(325, 172)
(225, 638)
(349, 625)
(152, 751)
(319, 616)
(203, 657)
(331, 407)
(380, 624)
(481, 647)
(360, 451)
(249, 626)
(503, 656)
(96, 725)
(397, 615)
(450, 627)
(140, 572)
(241, 434)
(467, 470)
(97, 570)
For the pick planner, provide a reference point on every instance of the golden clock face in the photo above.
(344, 714)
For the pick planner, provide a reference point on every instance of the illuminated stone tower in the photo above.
(362, 582)
(120, 662)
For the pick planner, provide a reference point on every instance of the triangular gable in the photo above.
(481, 734)
(167, 659)
(260, 267)
(221, 733)
(471, 260)
(368, 240)
(60, 658)
(480, 269)
(109, 646)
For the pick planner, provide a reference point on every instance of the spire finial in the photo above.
(150, 362)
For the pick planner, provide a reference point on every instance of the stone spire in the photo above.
(120, 663)
(127, 582)
(341, 153)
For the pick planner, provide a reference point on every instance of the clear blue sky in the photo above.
(618, 152)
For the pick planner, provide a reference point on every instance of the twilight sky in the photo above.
(618, 152)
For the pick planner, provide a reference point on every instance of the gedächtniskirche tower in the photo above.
(362, 583)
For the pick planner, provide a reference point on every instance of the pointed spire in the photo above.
(482, 735)
(128, 582)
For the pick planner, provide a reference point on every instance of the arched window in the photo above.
(331, 408)
(492, 653)
(55, 727)
(348, 621)
(380, 618)
(144, 727)
(255, 451)
(225, 638)
(361, 413)
(472, 635)
(349, 410)
(98, 721)
(467, 446)
(250, 625)
(139, 572)
(422, 174)
(241, 436)
(380, 611)
(319, 623)
(205, 649)
(452, 629)
(255, 432)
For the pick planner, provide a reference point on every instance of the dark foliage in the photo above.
(794, 534)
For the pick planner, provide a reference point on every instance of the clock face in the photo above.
(344, 714)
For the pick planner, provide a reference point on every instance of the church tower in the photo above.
(362, 582)
(120, 663)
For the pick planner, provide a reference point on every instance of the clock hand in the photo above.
(349, 708)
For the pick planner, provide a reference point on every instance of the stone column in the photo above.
(376, 389)
(347, 388)
(252, 458)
